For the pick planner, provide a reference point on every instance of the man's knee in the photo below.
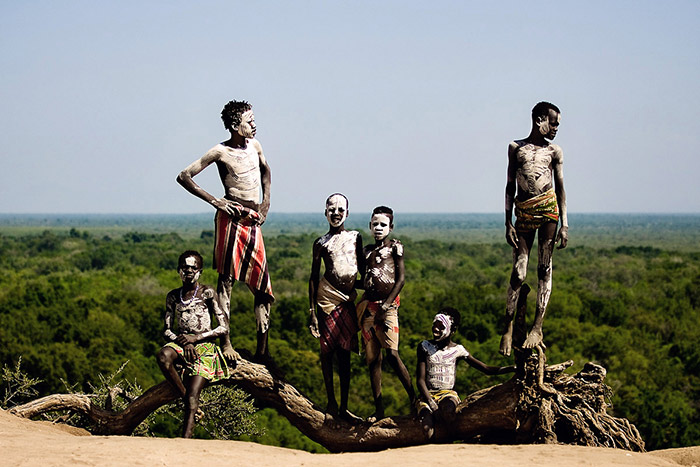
(448, 410)
(165, 357)
(262, 316)
(519, 269)
(392, 356)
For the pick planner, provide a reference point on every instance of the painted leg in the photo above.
(223, 291)
(544, 282)
(194, 389)
(166, 362)
(520, 259)
(262, 316)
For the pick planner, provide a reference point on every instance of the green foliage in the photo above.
(16, 385)
(228, 413)
(76, 303)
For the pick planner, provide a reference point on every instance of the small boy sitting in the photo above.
(436, 370)
(334, 295)
(378, 311)
(191, 340)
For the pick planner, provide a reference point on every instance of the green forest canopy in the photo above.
(79, 301)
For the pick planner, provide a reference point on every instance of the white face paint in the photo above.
(549, 125)
(190, 272)
(247, 128)
(442, 327)
(336, 210)
(380, 225)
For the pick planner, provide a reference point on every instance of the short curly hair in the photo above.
(541, 109)
(231, 114)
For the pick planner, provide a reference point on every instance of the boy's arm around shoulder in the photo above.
(361, 262)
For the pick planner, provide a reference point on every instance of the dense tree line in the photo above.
(75, 305)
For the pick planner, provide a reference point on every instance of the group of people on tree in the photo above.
(191, 358)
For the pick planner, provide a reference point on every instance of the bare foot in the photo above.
(534, 338)
(349, 417)
(507, 341)
(332, 409)
(376, 416)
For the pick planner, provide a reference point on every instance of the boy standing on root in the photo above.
(378, 310)
(239, 249)
(334, 293)
(436, 370)
(188, 317)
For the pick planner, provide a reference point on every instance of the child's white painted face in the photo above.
(189, 271)
(380, 225)
(336, 210)
(438, 330)
(247, 128)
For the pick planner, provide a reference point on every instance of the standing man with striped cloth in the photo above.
(239, 250)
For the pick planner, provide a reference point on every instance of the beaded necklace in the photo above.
(190, 300)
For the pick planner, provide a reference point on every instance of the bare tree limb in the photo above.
(541, 405)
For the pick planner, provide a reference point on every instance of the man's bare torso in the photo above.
(534, 168)
(381, 270)
(239, 170)
(339, 253)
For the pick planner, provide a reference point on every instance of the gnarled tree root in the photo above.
(541, 405)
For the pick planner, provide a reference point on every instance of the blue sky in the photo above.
(408, 104)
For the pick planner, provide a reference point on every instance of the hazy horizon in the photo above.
(402, 103)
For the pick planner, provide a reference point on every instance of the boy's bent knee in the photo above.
(166, 356)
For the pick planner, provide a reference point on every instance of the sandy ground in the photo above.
(26, 442)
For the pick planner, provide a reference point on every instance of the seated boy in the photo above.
(377, 312)
(436, 369)
(189, 310)
(334, 293)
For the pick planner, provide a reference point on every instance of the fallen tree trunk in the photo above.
(541, 405)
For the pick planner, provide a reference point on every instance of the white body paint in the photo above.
(243, 167)
(341, 248)
(534, 173)
(382, 270)
(441, 365)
